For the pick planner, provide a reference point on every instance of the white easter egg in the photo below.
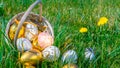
(23, 44)
(69, 56)
(31, 31)
(89, 54)
(51, 53)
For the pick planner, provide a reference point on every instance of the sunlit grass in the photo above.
(67, 17)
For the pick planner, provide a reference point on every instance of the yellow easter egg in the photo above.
(70, 66)
(28, 65)
(13, 29)
(31, 57)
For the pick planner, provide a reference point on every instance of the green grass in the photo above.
(67, 17)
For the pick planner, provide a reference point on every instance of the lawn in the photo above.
(66, 18)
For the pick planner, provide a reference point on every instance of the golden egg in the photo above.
(13, 29)
(70, 66)
(29, 65)
(31, 57)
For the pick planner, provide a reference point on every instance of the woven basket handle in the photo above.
(25, 16)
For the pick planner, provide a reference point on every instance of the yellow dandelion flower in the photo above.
(83, 30)
(102, 21)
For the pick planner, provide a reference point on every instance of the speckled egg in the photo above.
(89, 53)
(69, 56)
(70, 66)
(51, 53)
(23, 44)
(45, 40)
(31, 31)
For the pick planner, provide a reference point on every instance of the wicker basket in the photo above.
(28, 16)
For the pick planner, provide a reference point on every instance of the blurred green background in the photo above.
(67, 17)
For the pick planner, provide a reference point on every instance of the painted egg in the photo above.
(23, 44)
(69, 57)
(51, 53)
(30, 66)
(31, 57)
(89, 53)
(45, 40)
(70, 66)
(31, 31)
(13, 29)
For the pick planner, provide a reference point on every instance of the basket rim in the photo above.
(44, 19)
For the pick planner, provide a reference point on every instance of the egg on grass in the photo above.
(31, 57)
(69, 56)
(30, 66)
(89, 54)
(70, 66)
(51, 53)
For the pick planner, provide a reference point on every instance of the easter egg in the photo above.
(23, 44)
(69, 56)
(89, 54)
(13, 29)
(31, 57)
(70, 66)
(31, 31)
(30, 66)
(51, 53)
(45, 40)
